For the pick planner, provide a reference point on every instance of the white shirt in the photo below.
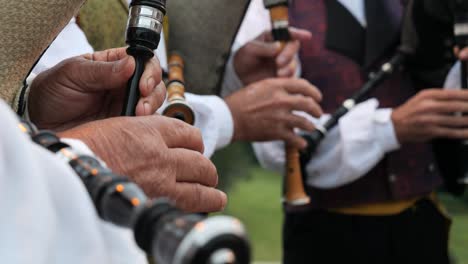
(47, 214)
(70, 43)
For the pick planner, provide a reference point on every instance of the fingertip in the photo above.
(301, 34)
(146, 87)
(125, 67)
(140, 109)
(302, 143)
(285, 72)
(464, 54)
(224, 200)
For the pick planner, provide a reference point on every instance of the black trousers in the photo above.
(417, 235)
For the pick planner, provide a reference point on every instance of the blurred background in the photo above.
(254, 197)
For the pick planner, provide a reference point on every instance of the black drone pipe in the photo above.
(145, 24)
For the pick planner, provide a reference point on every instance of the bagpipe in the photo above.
(161, 230)
(451, 155)
(177, 105)
(294, 192)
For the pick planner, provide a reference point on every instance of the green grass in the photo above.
(256, 201)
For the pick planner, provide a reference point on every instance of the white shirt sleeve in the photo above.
(69, 43)
(47, 210)
(348, 152)
(256, 21)
(453, 80)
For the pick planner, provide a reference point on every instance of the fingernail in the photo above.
(464, 53)
(120, 65)
(283, 73)
(303, 145)
(277, 45)
(281, 60)
(150, 83)
(225, 199)
(147, 108)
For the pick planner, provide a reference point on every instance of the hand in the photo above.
(262, 58)
(463, 54)
(91, 87)
(263, 110)
(162, 155)
(431, 114)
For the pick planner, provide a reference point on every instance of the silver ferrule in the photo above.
(387, 68)
(461, 29)
(322, 129)
(349, 104)
(146, 17)
(206, 231)
(281, 24)
(223, 256)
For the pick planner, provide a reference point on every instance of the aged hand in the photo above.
(91, 87)
(262, 58)
(431, 114)
(263, 110)
(162, 155)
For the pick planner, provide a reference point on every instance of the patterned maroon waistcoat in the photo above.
(406, 173)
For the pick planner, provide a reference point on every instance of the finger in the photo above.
(151, 77)
(301, 86)
(295, 121)
(108, 55)
(148, 105)
(445, 95)
(196, 198)
(178, 134)
(193, 167)
(288, 71)
(288, 54)
(453, 133)
(449, 121)
(300, 34)
(447, 107)
(463, 55)
(263, 49)
(304, 104)
(102, 75)
(294, 140)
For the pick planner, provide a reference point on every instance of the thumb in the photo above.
(263, 49)
(101, 75)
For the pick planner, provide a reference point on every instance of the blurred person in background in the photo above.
(373, 199)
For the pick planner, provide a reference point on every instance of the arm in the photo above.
(349, 151)
(41, 199)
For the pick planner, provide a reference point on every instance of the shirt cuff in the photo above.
(213, 117)
(298, 73)
(385, 131)
(226, 129)
(29, 81)
(78, 146)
